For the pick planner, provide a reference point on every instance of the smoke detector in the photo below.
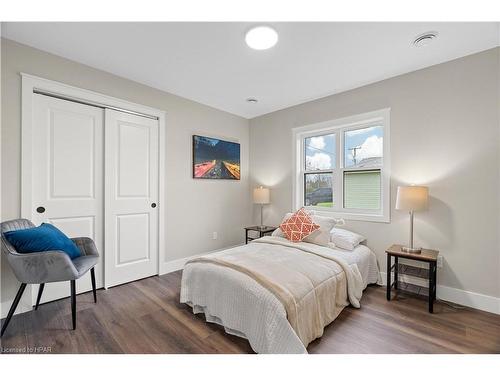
(252, 100)
(425, 39)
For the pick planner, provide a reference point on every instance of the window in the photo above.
(342, 167)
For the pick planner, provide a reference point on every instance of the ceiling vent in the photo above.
(425, 39)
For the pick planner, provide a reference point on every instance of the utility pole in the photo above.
(354, 149)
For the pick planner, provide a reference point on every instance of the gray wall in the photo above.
(195, 208)
(444, 134)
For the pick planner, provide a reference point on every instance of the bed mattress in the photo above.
(247, 309)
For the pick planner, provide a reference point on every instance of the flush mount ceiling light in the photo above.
(252, 100)
(425, 39)
(261, 37)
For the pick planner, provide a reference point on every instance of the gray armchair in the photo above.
(47, 267)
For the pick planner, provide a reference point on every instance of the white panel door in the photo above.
(131, 197)
(67, 188)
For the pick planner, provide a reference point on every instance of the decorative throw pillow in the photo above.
(345, 239)
(46, 237)
(278, 232)
(320, 237)
(298, 226)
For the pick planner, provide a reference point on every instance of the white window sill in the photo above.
(377, 218)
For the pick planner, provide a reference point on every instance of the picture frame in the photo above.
(215, 159)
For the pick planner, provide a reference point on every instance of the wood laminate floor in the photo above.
(146, 317)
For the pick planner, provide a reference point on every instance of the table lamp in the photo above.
(411, 199)
(261, 196)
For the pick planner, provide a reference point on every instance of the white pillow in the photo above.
(345, 239)
(319, 237)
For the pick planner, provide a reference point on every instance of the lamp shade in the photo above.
(261, 195)
(412, 198)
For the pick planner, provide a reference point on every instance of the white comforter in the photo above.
(247, 309)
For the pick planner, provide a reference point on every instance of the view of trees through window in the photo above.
(319, 189)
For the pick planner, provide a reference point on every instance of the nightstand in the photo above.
(262, 231)
(427, 256)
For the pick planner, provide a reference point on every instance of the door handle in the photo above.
(153, 205)
(40, 209)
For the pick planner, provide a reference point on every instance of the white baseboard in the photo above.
(178, 264)
(462, 297)
(21, 308)
(166, 267)
(173, 265)
(445, 293)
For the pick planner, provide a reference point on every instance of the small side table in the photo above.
(428, 256)
(262, 231)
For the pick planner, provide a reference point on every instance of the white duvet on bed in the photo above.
(247, 309)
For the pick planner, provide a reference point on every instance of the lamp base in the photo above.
(413, 250)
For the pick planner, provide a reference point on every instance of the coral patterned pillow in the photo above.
(298, 226)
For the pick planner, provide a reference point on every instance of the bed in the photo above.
(258, 305)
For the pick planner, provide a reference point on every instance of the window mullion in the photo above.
(340, 173)
(340, 164)
(348, 188)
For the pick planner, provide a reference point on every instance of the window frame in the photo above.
(339, 127)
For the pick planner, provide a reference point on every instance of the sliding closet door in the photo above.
(67, 177)
(131, 197)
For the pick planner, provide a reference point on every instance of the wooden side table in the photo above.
(262, 231)
(428, 256)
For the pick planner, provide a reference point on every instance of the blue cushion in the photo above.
(43, 238)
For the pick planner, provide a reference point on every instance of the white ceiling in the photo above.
(211, 64)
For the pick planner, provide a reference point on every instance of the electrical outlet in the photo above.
(440, 261)
(214, 235)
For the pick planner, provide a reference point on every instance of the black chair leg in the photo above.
(73, 302)
(13, 307)
(92, 277)
(40, 291)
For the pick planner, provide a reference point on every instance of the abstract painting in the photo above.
(215, 159)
